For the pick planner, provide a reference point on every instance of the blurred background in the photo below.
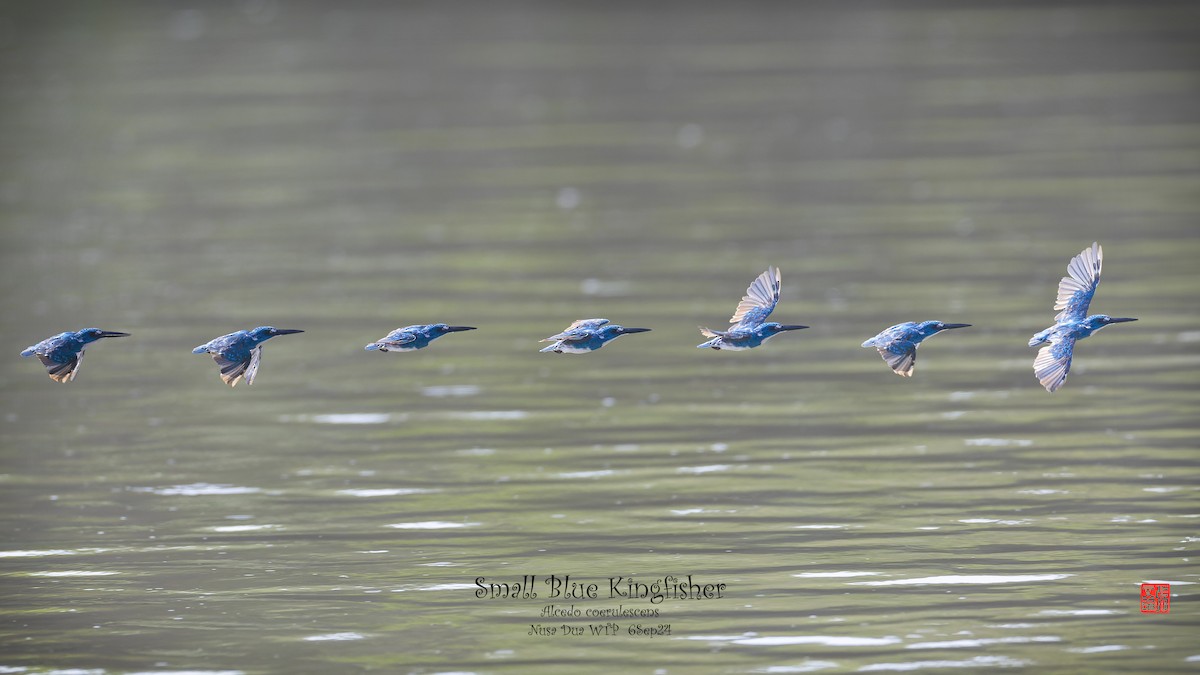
(183, 170)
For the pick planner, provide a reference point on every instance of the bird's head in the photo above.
(1098, 321)
(93, 334)
(772, 328)
(441, 328)
(266, 332)
(928, 328)
(615, 330)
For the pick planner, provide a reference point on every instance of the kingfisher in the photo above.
(587, 335)
(898, 344)
(1075, 293)
(63, 354)
(240, 353)
(747, 329)
(413, 337)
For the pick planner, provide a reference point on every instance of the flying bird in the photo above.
(240, 353)
(898, 344)
(413, 337)
(747, 329)
(587, 335)
(1075, 293)
(63, 353)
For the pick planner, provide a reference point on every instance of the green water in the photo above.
(182, 173)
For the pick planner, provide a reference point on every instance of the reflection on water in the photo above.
(179, 172)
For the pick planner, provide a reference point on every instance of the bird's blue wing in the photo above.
(1053, 362)
(255, 361)
(581, 324)
(901, 357)
(401, 337)
(220, 345)
(63, 369)
(232, 370)
(761, 297)
(1075, 291)
(47, 346)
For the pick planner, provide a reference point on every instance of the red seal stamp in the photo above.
(1156, 598)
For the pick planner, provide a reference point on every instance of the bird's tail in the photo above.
(202, 349)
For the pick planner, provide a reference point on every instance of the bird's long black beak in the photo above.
(635, 330)
(456, 329)
(793, 327)
(287, 331)
(948, 326)
(112, 333)
(1121, 320)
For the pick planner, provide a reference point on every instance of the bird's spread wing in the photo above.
(1075, 291)
(710, 333)
(901, 358)
(62, 371)
(1053, 362)
(255, 361)
(232, 371)
(760, 299)
(570, 331)
(399, 338)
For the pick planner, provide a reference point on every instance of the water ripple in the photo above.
(824, 640)
(704, 469)
(384, 492)
(998, 442)
(966, 579)
(434, 587)
(981, 642)
(834, 575)
(180, 672)
(443, 391)
(980, 521)
(590, 474)
(243, 528)
(809, 666)
(352, 418)
(431, 525)
(977, 662)
(487, 415)
(73, 573)
(49, 552)
(1098, 649)
(339, 637)
(198, 489)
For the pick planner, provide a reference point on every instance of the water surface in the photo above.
(180, 173)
